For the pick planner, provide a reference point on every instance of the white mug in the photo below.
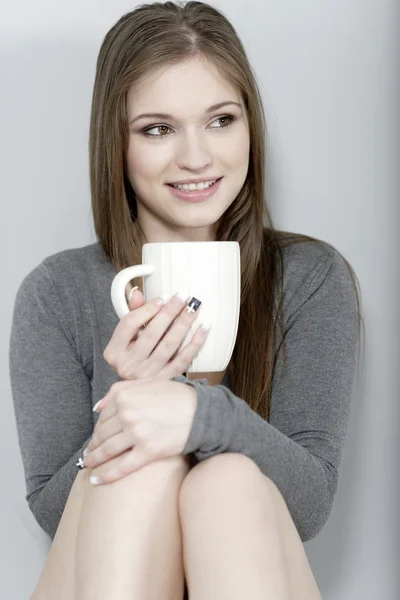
(208, 271)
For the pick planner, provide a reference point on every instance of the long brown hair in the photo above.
(144, 40)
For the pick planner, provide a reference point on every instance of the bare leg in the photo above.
(140, 558)
(238, 537)
(129, 541)
(302, 583)
(57, 577)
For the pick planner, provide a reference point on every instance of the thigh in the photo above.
(302, 583)
(60, 562)
(57, 579)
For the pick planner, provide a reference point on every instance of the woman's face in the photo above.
(191, 143)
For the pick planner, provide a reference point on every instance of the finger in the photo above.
(182, 361)
(128, 327)
(136, 298)
(109, 464)
(106, 407)
(111, 447)
(162, 337)
(170, 343)
(123, 465)
(103, 431)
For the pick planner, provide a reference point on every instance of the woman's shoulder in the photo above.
(88, 260)
(62, 281)
(302, 253)
(69, 267)
(310, 263)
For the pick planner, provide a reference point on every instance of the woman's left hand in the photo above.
(151, 418)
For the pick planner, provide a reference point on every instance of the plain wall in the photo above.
(329, 76)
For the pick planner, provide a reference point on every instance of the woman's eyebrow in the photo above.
(167, 116)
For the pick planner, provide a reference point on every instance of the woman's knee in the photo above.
(147, 479)
(218, 474)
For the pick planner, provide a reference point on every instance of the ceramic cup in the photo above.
(207, 271)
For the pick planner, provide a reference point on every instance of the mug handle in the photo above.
(120, 282)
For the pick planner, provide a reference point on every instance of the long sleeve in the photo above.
(51, 394)
(300, 447)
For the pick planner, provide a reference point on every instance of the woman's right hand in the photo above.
(136, 353)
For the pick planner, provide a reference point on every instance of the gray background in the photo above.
(329, 76)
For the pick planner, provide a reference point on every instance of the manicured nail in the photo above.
(95, 407)
(183, 296)
(131, 292)
(81, 463)
(205, 327)
(95, 480)
(193, 305)
(85, 452)
(180, 298)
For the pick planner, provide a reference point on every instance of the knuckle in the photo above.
(109, 449)
(146, 373)
(171, 310)
(168, 346)
(120, 401)
(114, 388)
(196, 346)
(149, 447)
(182, 324)
(105, 452)
(127, 371)
(150, 308)
(126, 419)
(152, 336)
(109, 357)
(132, 321)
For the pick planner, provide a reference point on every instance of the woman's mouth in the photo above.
(201, 192)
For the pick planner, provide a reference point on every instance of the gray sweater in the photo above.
(62, 321)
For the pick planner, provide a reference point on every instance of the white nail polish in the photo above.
(183, 296)
(131, 292)
(166, 297)
(205, 326)
(94, 480)
(94, 409)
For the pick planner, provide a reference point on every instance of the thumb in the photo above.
(136, 299)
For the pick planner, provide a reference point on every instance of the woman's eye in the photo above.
(146, 131)
(228, 119)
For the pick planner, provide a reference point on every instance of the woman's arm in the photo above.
(300, 447)
(51, 394)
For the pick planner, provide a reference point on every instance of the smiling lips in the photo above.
(198, 180)
(192, 193)
(202, 185)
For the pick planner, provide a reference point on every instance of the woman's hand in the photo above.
(136, 353)
(140, 422)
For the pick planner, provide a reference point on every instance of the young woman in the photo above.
(207, 484)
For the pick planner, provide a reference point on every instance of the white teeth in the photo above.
(203, 185)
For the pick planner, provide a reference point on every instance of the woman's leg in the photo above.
(129, 542)
(57, 577)
(238, 537)
(121, 540)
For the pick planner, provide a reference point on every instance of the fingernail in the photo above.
(95, 407)
(131, 292)
(180, 298)
(85, 452)
(81, 463)
(193, 305)
(95, 480)
(205, 326)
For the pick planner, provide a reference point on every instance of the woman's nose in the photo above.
(194, 152)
